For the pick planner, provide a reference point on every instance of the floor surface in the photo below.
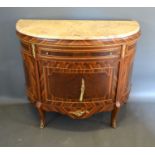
(19, 126)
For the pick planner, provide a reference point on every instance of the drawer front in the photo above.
(77, 52)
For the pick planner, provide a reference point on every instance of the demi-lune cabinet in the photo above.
(78, 67)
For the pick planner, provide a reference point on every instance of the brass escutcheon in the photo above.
(82, 90)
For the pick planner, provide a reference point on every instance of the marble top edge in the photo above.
(77, 29)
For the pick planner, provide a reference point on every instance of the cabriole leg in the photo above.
(114, 114)
(41, 114)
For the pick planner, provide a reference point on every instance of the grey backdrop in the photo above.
(12, 87)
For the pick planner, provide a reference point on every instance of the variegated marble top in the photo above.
(77, 29)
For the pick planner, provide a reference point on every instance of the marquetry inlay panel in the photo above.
(78, 70)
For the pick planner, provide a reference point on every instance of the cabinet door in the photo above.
(79, 87)
(76, 84)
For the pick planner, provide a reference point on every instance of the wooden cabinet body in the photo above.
(77, 77)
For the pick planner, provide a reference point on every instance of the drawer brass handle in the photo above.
(82, 90)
